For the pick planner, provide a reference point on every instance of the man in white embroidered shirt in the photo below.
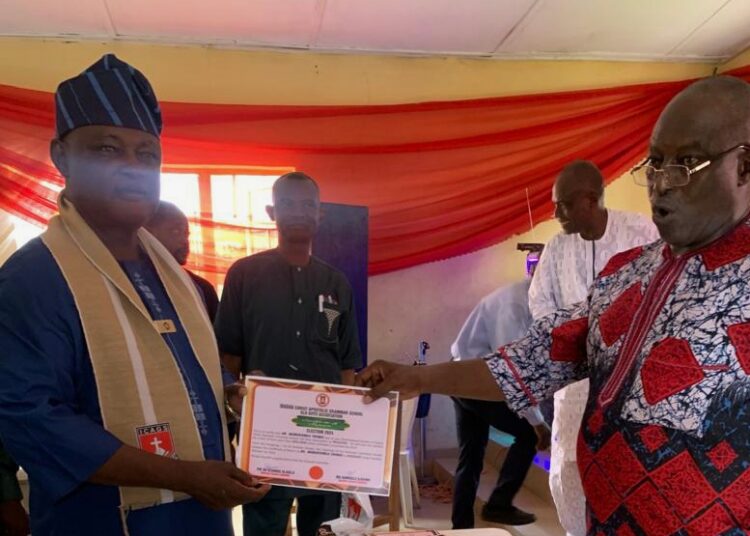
(591, 235)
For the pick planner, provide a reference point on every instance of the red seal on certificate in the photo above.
(322, 400)
(156, 439)
(316, 472)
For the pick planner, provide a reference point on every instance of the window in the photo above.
(23, 231)
(226, 208)
(227, 212)
(241, 200)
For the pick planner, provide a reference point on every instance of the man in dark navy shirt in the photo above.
(289, 315)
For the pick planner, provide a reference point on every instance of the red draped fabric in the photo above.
(440, 178)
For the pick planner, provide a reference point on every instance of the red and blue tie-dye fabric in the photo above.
(665, 441)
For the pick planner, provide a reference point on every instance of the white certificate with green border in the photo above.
(315, 435)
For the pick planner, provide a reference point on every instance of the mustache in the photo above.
(663, 205)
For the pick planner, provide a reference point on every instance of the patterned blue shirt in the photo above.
(664, 446)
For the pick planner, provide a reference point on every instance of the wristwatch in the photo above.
(231, 414)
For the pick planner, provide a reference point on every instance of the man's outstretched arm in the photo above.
(551, 355)
(465, 379)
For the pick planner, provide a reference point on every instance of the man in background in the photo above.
(170, 226)
(591, 235)
(287, 314)
(499, 318)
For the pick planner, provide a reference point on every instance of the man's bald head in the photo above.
(578, 195)
(709, 121)
(170, 226)
(166, 211)
(717, 109)
(581, 176)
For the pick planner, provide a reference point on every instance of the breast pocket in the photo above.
(327, 325)
(676, 384)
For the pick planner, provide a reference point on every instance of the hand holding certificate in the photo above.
(313, 435)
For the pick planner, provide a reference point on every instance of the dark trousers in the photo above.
(473, 420)
(269, 517)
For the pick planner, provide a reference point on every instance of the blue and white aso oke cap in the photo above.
(110, 92)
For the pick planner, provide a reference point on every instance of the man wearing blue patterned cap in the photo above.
(111, 393)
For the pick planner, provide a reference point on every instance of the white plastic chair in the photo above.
(409, 487)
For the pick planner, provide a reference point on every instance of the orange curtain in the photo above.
(440, 178)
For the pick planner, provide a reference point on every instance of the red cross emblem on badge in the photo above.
(156, 439)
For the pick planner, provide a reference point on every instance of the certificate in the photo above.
(314, 435)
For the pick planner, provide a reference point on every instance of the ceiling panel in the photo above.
(288, 23)
(611, 27)
(64, 17)
(468, 26)
(725, 34)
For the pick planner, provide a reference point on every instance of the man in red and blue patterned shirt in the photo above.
(664, 337)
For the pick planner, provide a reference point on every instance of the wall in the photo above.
(740, 60)
(207, 74)
(427, 302)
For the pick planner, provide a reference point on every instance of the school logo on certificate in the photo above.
(156, 439)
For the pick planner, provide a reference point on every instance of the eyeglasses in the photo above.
(675, 175)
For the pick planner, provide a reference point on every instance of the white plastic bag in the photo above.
(564, 477)
(357, 506)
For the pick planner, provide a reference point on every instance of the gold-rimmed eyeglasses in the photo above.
(675, 175)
